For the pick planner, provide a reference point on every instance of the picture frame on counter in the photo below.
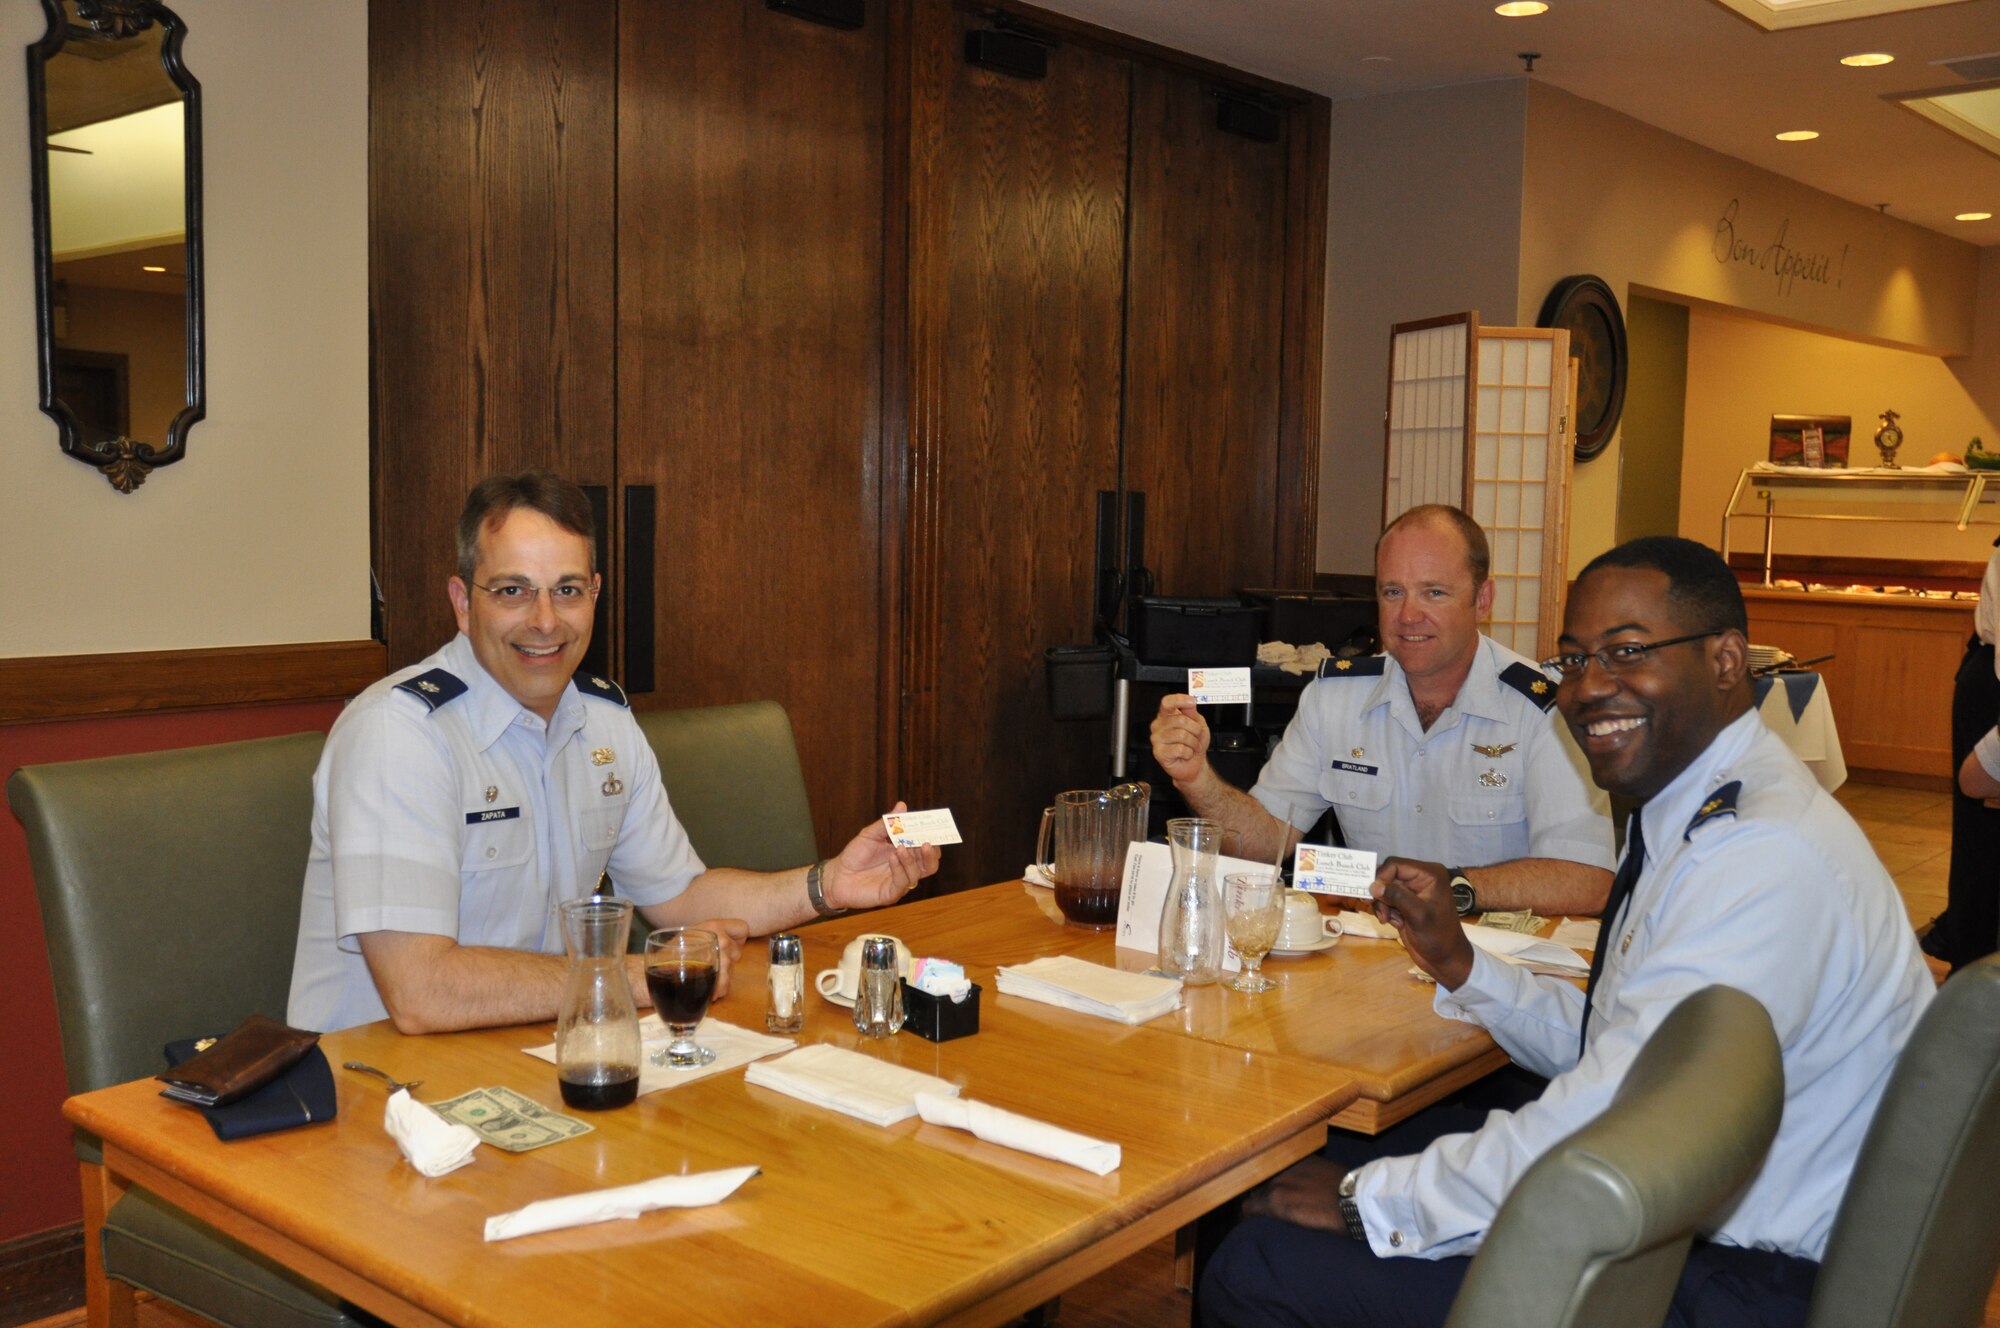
(1818, 441)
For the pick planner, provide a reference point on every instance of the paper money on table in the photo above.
(510, 1121)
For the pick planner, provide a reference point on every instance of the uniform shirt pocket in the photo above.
(599, 826)
(493, 844)
(1494, 810)
(1348, 788)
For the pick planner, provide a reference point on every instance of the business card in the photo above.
(1321, 869)
(1219, 686)
(914, 829)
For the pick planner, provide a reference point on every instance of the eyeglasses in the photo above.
(520, 596)
(1615, 658)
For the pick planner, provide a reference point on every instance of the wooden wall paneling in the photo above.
(1204, 331)
(1307, 135)
(749, 371)
(1017, 240)
(490, 205)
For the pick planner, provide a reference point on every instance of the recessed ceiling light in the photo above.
(1375, 59)
(1798, 135)
(150, 268)
(1867, 59)
(1973, 216)
(1521, 9)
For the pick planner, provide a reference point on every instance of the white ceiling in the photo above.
(1691, 67)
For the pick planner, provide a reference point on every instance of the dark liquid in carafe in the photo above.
(681, 992)
(609, 1086)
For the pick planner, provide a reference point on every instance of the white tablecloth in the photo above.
(1795, 707)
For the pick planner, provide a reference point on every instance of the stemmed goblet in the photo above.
(1255, 902)
(682, 964)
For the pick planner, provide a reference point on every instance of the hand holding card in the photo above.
(914, 829)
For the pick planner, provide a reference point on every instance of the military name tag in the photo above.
(1355, 768)
(493, 814)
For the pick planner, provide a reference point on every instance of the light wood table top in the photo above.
(1353, 1006)
(847, 1224)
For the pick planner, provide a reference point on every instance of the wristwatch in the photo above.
(1462, 896)
(1350, 1211)
(816, 894)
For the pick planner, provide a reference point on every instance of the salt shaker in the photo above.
(786, 1012)
(878, 1002)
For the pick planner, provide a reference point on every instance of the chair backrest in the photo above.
(1917, 1239)
(1597, 1230)
(732, 774)
(170, 886)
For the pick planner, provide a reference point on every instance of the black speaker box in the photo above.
(833, 13)
(1249, 120)
(1007, 53)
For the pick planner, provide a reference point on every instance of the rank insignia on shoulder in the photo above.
(433, 688)
(1717, 805)
(602, 688)
(1530, 682)
(1363, 666)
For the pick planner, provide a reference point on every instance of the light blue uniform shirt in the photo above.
(1783, 899)
(1497, 776)
(472, 820)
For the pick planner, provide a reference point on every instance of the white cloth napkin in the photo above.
(732, 1046)
(1577, 933)
(1530, 952)
(849, 1082)
(998, 1126)
(433, 1144)
(576, 1210)
(1036, 876)
(1361, 922)
(1076, 984)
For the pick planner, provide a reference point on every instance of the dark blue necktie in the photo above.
(1614, 904)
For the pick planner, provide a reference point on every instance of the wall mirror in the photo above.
(115, 122)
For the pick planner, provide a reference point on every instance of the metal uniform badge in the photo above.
(603, 756)
(1492, 779)
(428, 686)
(1358, 752)
(493, 793)
(613, 786)
(1496, 750)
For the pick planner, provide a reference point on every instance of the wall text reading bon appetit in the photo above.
(1786, 264)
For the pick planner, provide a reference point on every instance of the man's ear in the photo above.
(1482, 600)
(461, 601)
(1731, 657)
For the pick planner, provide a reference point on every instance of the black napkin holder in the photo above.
(302, 1095)
(939, 1018)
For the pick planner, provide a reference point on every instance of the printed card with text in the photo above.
(913, 829)
(1219, 686)
(1323, 870)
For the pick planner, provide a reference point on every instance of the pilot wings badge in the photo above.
(1498, 749)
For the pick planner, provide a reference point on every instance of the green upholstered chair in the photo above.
(169, 886)
(732, 774)
(1597, 1230)
(1917, 1240)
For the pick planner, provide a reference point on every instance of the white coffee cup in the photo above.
(845, 981)
(1303, 926)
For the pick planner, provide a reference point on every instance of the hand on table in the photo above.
(1306, 1194)
(1415, 899)
(871, 871)
(1180, 738)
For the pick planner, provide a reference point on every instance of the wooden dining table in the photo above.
(846, 1223)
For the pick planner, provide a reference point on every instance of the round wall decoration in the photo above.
(1585, 306)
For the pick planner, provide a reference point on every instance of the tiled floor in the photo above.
(1911, 831)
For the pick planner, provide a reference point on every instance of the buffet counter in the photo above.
(1890, 677)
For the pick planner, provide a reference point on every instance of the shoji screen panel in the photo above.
(1429, 405)
(1520, 479)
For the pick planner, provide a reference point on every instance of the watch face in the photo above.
(1461, 894)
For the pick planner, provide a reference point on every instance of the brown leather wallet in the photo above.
(258, 1051)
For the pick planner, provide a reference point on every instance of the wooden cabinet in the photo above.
(848, 333)
(1891, 676)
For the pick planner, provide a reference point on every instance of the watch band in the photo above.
(816, 893)
(1350, 1211)
(1470, 904)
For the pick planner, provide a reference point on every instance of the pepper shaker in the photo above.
(878, 1004)
(786, 1012)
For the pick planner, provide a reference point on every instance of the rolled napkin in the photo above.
(998, 1126)
(1076, 984)
(848, 1082)
(433, 1145)
(1361, 922)
(577, 1210)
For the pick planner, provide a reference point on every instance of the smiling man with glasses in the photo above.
(1739, 869)
(461, 799)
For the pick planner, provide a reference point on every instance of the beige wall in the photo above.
(261, 534)
(1742, 371)
(1423, 218)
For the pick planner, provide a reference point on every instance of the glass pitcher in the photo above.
(597, 1029)
(1191, 925)
(1091, 830)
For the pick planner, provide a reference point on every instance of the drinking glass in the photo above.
(681, 968)
(1256, 904)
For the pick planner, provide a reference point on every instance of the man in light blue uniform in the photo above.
(1442, 748)
(1740, 870)
(461, 799)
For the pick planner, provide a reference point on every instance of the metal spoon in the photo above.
(393, 1083)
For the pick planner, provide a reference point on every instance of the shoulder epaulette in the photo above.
(1363, 666)
(1530, 682)
(1720, 803)
(434, 688)
(602, 688)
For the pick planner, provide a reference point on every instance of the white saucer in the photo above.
(844, 1002)
(1324, 943)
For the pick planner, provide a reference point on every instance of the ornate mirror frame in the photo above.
(123, 461)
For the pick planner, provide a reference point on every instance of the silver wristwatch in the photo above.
(1350, 1211)
(816, 894)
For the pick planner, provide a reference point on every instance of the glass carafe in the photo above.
(1191, 923)
(597, 1029)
